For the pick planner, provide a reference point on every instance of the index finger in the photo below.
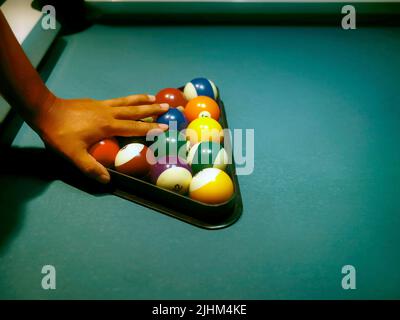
(132, 100)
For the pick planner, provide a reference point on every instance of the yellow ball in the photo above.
(204, 129)
(211, 186)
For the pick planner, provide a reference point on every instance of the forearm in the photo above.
(20, 83)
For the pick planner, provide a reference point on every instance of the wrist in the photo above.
(39, 111)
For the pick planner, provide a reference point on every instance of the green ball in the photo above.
(207, 154)
(170, 143)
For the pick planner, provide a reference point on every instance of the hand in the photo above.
(68, 126)
(71, 127)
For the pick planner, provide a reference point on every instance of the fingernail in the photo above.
(163, 126)
(164, 106)
(104, 179)
(151, 98)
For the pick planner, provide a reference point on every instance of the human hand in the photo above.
(72, 126)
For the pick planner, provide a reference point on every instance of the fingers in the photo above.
(133, 100)
(139, 112)
(91, 168)
(126, 128)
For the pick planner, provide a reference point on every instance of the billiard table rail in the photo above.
(244, 12)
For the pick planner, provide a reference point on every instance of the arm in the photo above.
(20, 84)
(70, 127)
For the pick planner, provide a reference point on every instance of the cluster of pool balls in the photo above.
(189, 158)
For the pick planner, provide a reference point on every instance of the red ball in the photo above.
(172, 96)
(105, 151)
(135, 159)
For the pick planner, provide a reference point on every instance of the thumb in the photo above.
(90, 167)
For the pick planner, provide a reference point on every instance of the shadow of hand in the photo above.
(25, 173)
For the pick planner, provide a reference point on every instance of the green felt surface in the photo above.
(325, 107)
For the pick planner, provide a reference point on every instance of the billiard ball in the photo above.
(134, 139)
(207, 154)
(172, 96)
(211, 186)
(172, 173)
(170, 143)
(134, 159)
(105, 151)
(200, 107)
(200, 87)
(149, 119)
(204, 129)
(174, 118)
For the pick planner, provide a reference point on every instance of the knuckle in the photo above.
(152, 108)
(142, 127)
(134, 111)
(109, 125)
(104, 103)
(144, 109)
(118, 112)
(138, 98)
(139, 111)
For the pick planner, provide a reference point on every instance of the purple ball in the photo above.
(172, 173)
(165, 163)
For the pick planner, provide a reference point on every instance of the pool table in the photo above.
(324, 104)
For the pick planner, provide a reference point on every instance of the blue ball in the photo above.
(200, 87)
(174, 118)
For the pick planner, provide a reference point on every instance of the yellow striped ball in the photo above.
(211, 186)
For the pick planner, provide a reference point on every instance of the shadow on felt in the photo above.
(25, 173)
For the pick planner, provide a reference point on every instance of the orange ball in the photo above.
(200, 107)
(105, 151)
